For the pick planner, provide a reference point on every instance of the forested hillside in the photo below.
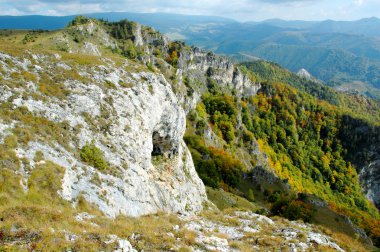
(352, 103)
(310, 143)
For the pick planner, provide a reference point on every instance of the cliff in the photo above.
(129, 112)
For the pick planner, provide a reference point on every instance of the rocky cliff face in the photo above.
(195, 64)
(362, 141)
(127, 111)
(367, 159)
(370, 180)
(132, 125)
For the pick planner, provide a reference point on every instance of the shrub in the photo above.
(293, 209)
(38, 156)
(248, 136)
(45, 181)
(274, 197)
(10, 141)
(223, 103)
(93, 156)
(174, 53)
(250, 195)
(214, 166)
(79, 20)
(129, 49)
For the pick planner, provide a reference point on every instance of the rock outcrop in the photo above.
(304, 73)
(139, 128)
(369, 176)
(362, 141)
(132, 114)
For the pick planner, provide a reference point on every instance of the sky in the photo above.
(241, 10)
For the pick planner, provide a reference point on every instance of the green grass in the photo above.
(81, 59)
(225, 200)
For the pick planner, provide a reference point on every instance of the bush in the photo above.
(250, 195)
(129, 49)
(293, 209)
(248, 136)
(79, 20)
(223, 103)
(10, 141)
(214, 166)
(174, 53)
(93, 156)
(45, 181)
(274, 197)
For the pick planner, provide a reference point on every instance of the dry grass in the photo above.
(32, 127)
(350, 244)
(189, 237)
(42, 218)
(81, 59)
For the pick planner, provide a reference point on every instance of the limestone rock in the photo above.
(139, 129)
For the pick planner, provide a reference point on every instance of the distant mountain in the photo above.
(297, 24)
(365, 26)
(161, 21)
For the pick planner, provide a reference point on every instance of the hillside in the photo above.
(97, 152)
(351, 102)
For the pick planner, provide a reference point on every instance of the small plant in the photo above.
(250, 195)
(39, 156)
(151, 89)
(93, 156)
(10, 141)
(149, 65)
(125, 84)
(96, 180)
(110, 85)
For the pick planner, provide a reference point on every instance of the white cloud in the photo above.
(359, 2)
(243, 10)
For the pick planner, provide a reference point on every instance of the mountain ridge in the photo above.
(160, 81)
(342, 40)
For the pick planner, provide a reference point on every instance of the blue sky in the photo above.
(242, 10)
